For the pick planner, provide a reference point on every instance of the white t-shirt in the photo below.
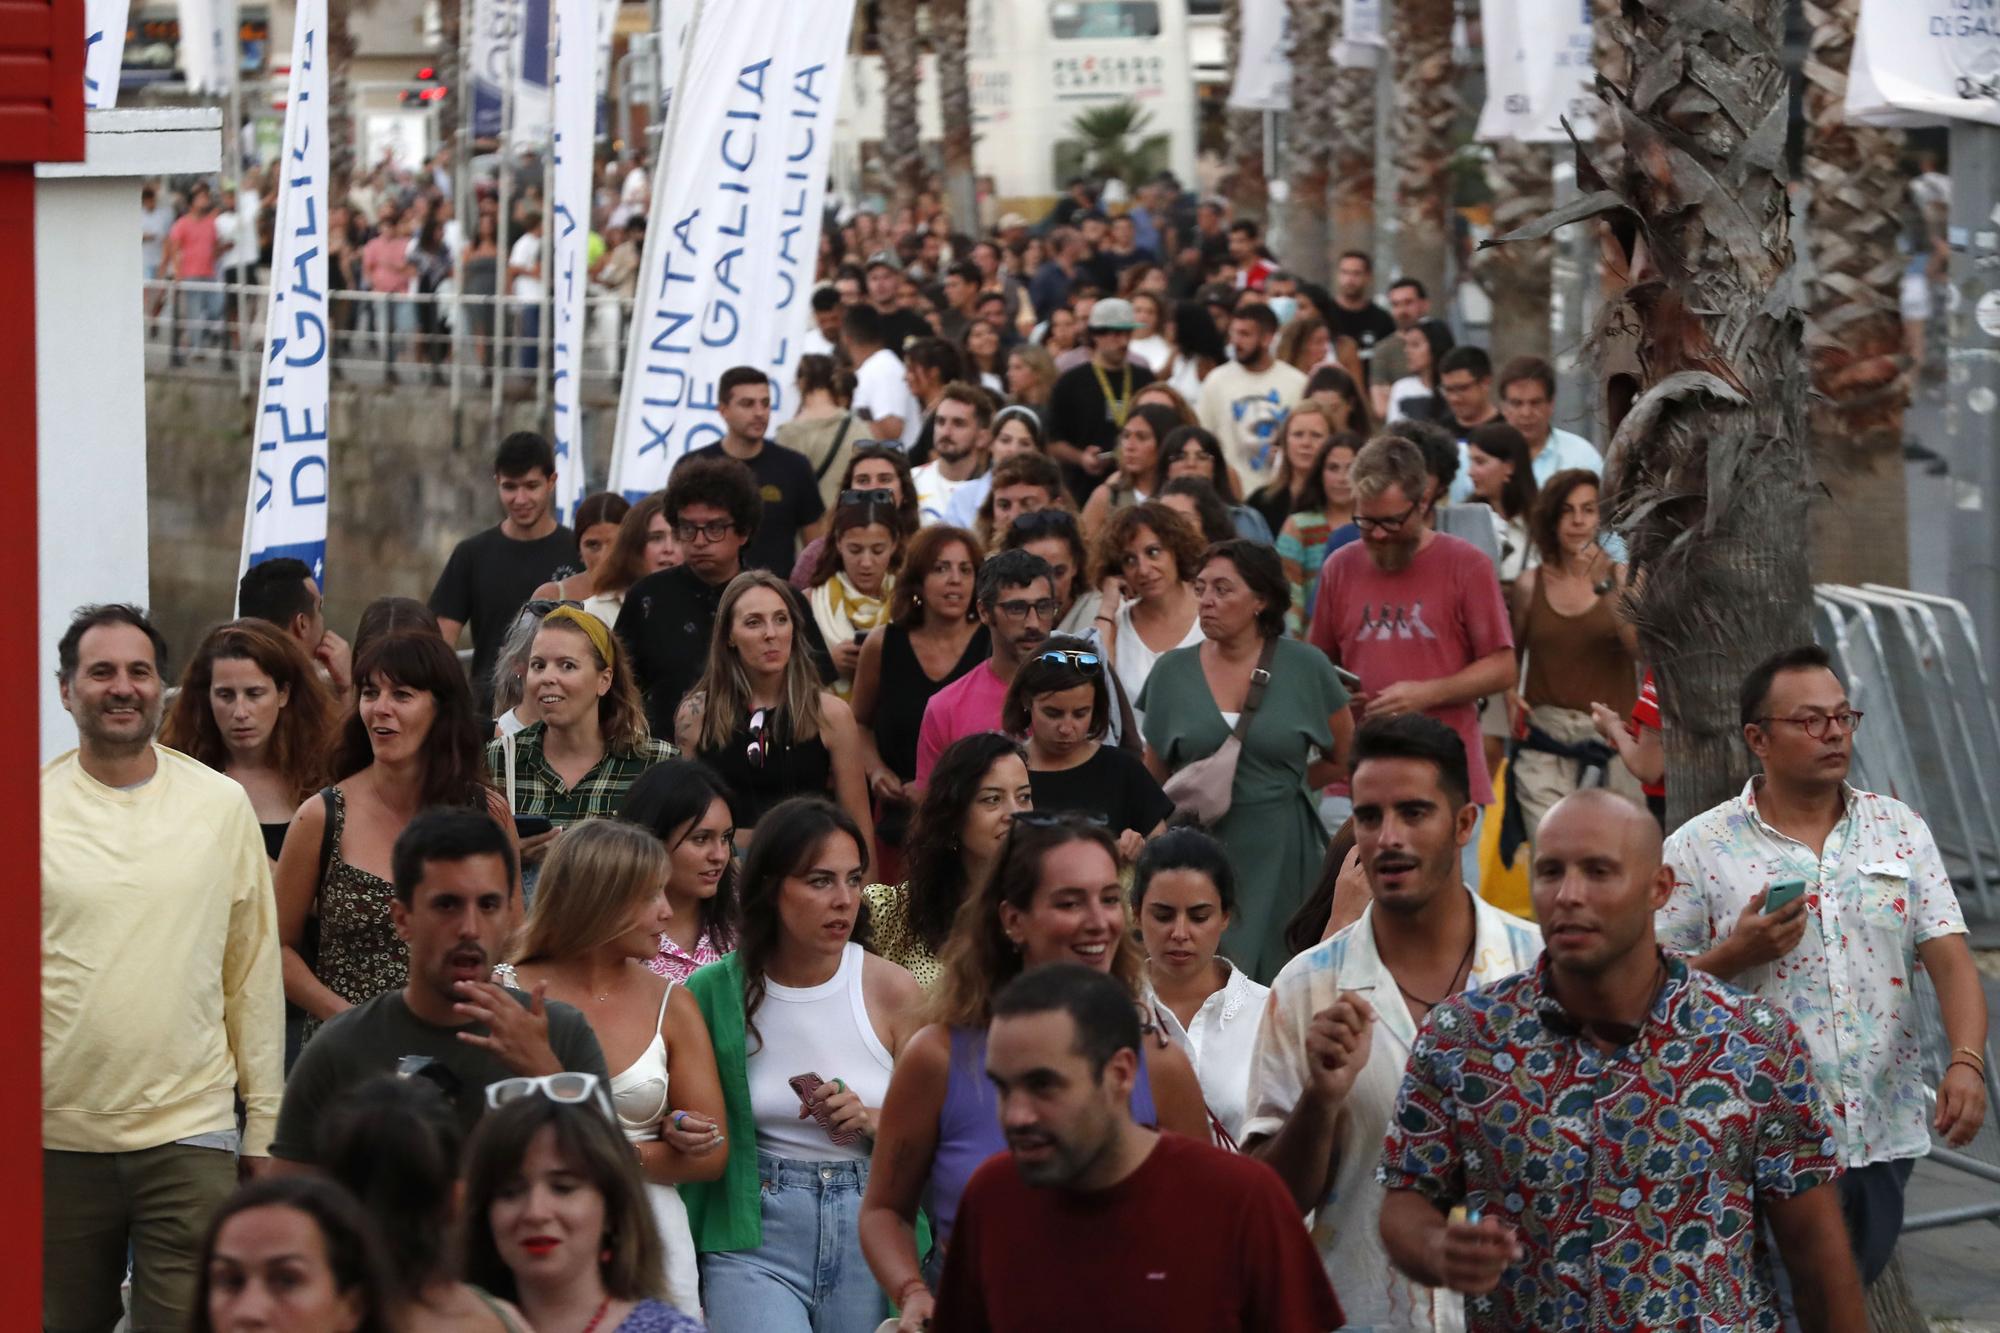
(1243, 408)
(1406, 392)
(1153, 351)
(527, 254)
(935, 492)
(879, 387)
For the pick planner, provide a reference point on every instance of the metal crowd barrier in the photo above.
(1912, 663)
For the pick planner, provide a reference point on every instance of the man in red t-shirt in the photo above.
(1418, 615)
(1089, 1221)
(191, 247)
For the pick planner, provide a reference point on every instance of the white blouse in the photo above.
(1220, 1042)
(1135, 659)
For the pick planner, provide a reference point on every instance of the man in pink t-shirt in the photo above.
(1416, 614)
(192, 243)
(1017, 603)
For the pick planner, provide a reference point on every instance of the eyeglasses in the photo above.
(758, 750)
(1089, 663)
(1041, 522)
(570, 1088)
(880, 495)
(541, 606)
(1020, 607)
(1367, 524)
(1816, 725)
(714, 530)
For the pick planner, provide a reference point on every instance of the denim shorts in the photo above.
(808, 1276)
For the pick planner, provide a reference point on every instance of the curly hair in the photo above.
(305, 723)
(721, 483)
(1169, 525)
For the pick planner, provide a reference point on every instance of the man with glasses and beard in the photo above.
(1597, 1141)
(454, 879)
(162, 998)
(1341, 1017)
(1090, 1220)
(1823, 898)
(1016, 601)
(1416, 614)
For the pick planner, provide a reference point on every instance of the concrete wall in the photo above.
(408, 483)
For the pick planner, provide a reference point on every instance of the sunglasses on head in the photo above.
(879, 495)
(570, 1088)
(1040, 522)
(1088, 663)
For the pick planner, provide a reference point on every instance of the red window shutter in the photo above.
(41, 80)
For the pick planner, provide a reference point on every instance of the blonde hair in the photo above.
(724, 688)
(596, 875)
(621, 716)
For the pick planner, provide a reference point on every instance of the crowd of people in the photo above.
(1001, 850)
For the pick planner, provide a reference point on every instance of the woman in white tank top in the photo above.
(823, 1022)
(596, 923)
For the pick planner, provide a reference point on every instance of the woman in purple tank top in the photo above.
(1053, 897)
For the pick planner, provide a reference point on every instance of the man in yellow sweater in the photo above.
(161, 993)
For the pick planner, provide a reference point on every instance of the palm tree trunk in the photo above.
(340, 51)
(1354, 159)
(902, 69)
(451, 32)
(1854, 327)
(1516, 277)
(1243, 182)
(1420, 44)
(1708, 472)
(1315, 23)
(949, 33)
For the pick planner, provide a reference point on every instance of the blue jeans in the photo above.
(808, 1276)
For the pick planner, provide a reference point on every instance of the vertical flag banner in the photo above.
(733, 236)
(1538, 71)
(103, 50)
(1361, 41)
(1935, 60)
(1263, 78)
(533, 106)
(496, 31)
(285, 511)
(208, 44)
(676, 16)
(569, 230)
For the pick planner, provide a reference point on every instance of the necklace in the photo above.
(1119, 405)
(1450, 989)
(597, 1318)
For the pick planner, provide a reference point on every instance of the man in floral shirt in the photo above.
(1592, 1144)
(1839, 958)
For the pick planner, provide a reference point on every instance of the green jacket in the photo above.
(727, 1214)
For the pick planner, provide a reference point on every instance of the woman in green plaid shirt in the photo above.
(591, 742)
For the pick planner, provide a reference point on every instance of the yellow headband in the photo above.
(593, 629)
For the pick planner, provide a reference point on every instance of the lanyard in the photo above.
(1119, 405)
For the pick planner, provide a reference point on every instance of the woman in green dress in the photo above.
(1295, 744)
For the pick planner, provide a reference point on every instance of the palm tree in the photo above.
(340, 52)
(1353, 204)
(1426, 105)
(1708, 471)
(1315, 24)
(1516, 277)
(949, 34)
(1243, 184)
(1116, 143)
(1854, 329)
(902, 70)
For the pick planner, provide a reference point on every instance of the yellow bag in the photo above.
(1502, 885)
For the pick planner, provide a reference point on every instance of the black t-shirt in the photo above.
(1110, 783)
(1080, 414)
(790, 493)
(899, 326)
(484, 583)
(372, 1037)
(1367, 326)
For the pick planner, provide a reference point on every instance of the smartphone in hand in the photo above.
(805, 1085)
(1783, 894)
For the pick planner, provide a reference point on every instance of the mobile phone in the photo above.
(528, 826)
(1347, 678)
(805, 1085)
(1782, 895)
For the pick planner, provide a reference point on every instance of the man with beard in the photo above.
(454, 881)
(1416, 614)
(1016, 601)
(1089, 403)
(1342, 1016)
(1594, 1142)
(1090, 1220)
(960, 425)
(162, 1000)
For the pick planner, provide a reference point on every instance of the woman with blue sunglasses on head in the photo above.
(1060, 700)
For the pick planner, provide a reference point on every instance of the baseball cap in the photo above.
(885, 259)
(1114, 313)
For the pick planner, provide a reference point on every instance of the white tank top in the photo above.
(822, 1030)
(640, 1093)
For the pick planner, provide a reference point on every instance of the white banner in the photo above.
(1263, 79)
(1538, 71)
(1932, 61)
(733, 236)
(510, 69)
(1361, 23)
(569, 231)
(285, 511)
(208, 45)
(676, 17)
(103, 50)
